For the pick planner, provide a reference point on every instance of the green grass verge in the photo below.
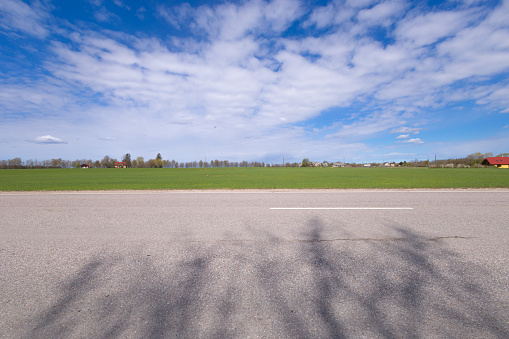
(249, 178)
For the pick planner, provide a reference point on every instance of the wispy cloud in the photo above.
(103, 15)
(398, 154)
(19, 16)
(406, 130)
(121, 4)
(140, 13)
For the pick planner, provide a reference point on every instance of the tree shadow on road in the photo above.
(407, 285)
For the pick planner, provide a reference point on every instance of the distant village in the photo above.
(472, 160)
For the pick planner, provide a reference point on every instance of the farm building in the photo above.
(500, 162)
(120, 164)
(85, 166)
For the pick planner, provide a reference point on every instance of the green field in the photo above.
(249, 178)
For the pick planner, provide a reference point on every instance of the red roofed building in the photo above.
(500, 162)
(120, 164)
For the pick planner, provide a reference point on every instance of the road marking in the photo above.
(341, 208)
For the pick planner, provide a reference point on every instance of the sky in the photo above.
(346, 80)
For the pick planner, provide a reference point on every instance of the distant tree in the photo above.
(159, 157)
(15, 163)
(140, 162)
(56, 163)
(151, 163)
(113, 161)
(127, 160)
(305, 162)
(105, 162)
(475, 158)
(503, 155)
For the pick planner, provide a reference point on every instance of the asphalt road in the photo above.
(268, 264)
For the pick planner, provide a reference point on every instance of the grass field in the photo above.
(249, 178)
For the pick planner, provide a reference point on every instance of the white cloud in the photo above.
(506, 126)
(321, 16)
(413, 141)
(17, 15)
(382, 14)
(403, 136)
(48, 139)
(427, 28)
(232, 21)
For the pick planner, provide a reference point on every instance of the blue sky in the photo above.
(354, 80)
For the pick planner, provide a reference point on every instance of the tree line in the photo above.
(471, 160)
(130, 162)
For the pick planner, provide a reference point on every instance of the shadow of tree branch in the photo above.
(403, 286)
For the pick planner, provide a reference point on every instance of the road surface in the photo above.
(255, 264)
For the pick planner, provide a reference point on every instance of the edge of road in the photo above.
(264, 191)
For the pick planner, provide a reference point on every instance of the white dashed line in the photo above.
(341, 208)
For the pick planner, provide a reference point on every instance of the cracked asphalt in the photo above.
(207, 264)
